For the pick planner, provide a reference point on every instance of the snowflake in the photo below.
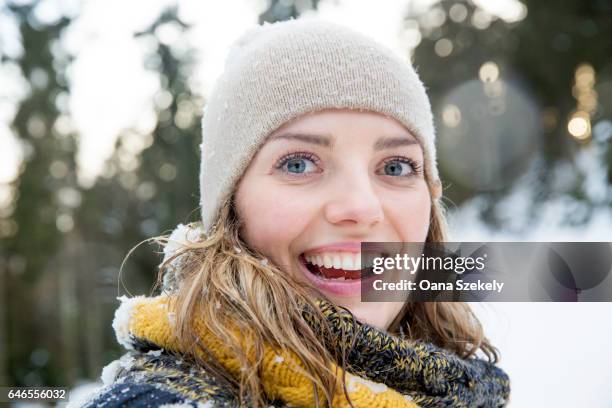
(182, 235)
(122, 318)
(373, 386)
(172, 318)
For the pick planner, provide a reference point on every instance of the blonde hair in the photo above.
(221, 272)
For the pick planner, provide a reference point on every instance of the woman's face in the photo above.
(322, 184)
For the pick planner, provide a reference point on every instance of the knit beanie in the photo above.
(277, 72)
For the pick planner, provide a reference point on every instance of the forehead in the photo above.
(339, 121)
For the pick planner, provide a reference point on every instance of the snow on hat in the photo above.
(277, 72)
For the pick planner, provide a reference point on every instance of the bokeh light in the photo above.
(443, 47)
(458, 13)
(451, 115)
(489, 72)
(579, 126)
(579, 123)
(487, 138)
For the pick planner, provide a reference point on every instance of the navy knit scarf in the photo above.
(432, 376)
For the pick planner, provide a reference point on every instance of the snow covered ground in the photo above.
(556, 354)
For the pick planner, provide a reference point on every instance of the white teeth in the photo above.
(342, 260)
(347, 262)
(327, 261)
(337, 261)
(319, 260)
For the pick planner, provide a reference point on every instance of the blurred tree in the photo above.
(45, 192)
(540, 53)
(174, 154)
(52, 276)
(151, 181)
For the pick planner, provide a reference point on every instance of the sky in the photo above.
(556, 354)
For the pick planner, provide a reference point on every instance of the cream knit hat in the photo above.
(276, 72)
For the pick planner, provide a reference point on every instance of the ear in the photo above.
(436, 190)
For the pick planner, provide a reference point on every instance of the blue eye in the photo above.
(401, 167)
(297, 163)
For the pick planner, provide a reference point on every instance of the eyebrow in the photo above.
(385, 142)
(321, 140)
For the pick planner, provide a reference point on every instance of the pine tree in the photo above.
(46, 191)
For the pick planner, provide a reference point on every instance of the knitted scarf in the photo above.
(382, 370)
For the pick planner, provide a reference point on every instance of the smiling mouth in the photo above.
(335, 274)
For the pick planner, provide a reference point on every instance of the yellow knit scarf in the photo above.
(283, 373)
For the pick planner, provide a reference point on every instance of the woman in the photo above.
(315, 139)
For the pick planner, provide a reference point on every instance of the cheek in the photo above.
(410, 213)
(273, 220)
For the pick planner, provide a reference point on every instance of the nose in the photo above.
(354, 202)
